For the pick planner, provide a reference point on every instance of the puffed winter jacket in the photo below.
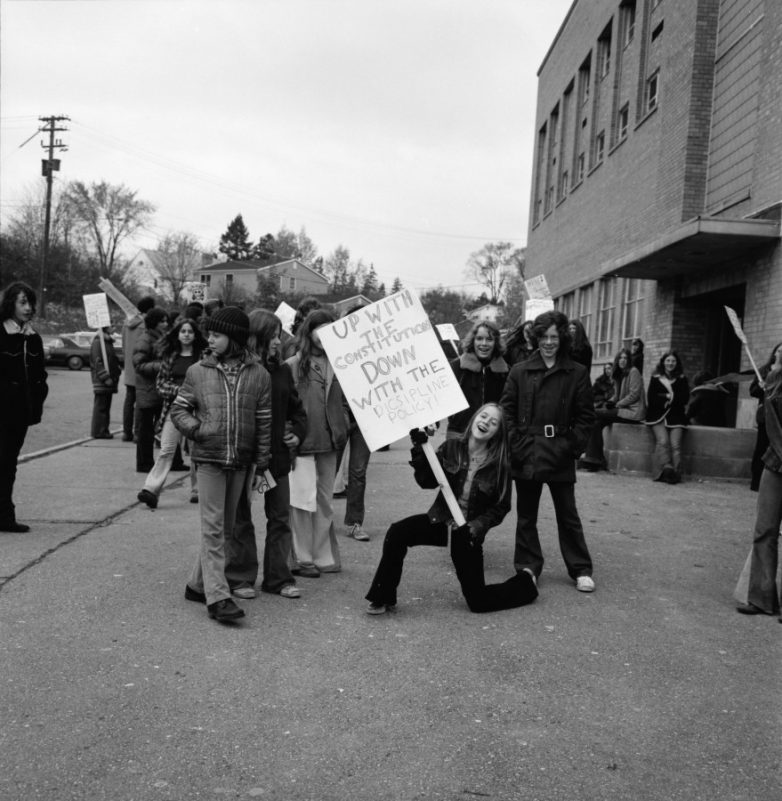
(229, 424)
(668, 407)
(105, 377)
(549, 414)
(631, 403)
(480, 383)
(146, 362)
(488, 502)
(23, 387)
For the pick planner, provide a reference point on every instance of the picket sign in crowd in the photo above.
(296, 417)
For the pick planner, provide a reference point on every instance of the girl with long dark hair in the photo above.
(178, 349)
(315, 544)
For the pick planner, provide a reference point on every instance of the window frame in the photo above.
(606, 316)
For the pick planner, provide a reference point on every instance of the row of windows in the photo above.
(596, 305)
(575, 137)
(229, 279)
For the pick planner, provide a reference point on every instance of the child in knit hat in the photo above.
(224, 407)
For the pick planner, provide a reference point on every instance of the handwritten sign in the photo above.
(537, 288)
(96, 307)
(392, 369)
(287, 315)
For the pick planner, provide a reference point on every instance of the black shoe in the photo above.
(306, 571)
(750, 609)
(225, 610)
(13, 527)
(143, 469)
(149, 498)
(341, 494)
(104, 436)
(194, 595)
(127, 437)
(179, 467)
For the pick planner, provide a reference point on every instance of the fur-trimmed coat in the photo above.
(480, 383)
(666, 401)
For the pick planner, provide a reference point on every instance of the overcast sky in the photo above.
(401, 129)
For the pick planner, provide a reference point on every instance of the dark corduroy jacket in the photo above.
(480, 383)
(23, 387)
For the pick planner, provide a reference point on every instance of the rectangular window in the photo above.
(652, 84)
(565, 304)
(600, 146)
(540, 175)
(229, 279)
(292, 283)
(632, 309)
(580, 165)
(584, 78)
(606, 309)
(604, 51)
(628, 21)
(585, 307)
(564, 186)
(206, 279)
(622, 122)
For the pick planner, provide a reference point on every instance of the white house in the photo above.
(293, 276)
(148, 269)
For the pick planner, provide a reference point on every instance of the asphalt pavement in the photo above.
(113, 686)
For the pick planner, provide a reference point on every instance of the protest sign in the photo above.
(532, 308)
(117, 296)
(391, 368)
(96, 308)
(537, 288)
(448, 333)
(395, 375)
(734, 321)
(287, 315)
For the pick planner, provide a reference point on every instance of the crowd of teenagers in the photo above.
(260, 410)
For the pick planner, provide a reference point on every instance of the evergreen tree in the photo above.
(235, 242)
(266, 249)
(396, 286)
(369, 287)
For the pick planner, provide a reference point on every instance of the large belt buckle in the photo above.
(548, 431)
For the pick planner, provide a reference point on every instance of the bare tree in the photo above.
(105, 215)
(179, 255)
(492, 264)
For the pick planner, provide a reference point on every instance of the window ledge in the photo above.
(618, 145)
(646, 117)
(596, 167)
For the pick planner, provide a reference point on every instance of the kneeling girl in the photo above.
(478, 470)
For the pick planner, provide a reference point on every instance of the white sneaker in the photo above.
(585, 584)
(358, 533)
(244, 592)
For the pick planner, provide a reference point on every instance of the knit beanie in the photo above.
(231, 321)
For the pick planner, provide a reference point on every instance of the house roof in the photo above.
(234, 266)
(353, 300)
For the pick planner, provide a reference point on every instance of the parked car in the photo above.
(63, 351)
(85, 338)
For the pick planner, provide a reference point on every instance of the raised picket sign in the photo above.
(392, 368)
(117, 296)
(287, 315)
(96, 307)
(734, 321)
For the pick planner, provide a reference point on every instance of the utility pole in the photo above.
(49, 166)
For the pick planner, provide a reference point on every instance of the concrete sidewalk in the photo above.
(116, 687)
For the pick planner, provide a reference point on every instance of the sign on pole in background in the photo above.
(539, 298)
(448, 333)
(96, 308)
(197, 292)
(734, 321)
(117, 296)
(392, 368)
(287, 315)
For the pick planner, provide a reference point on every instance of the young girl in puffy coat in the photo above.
(224, 407)
(478, 471)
